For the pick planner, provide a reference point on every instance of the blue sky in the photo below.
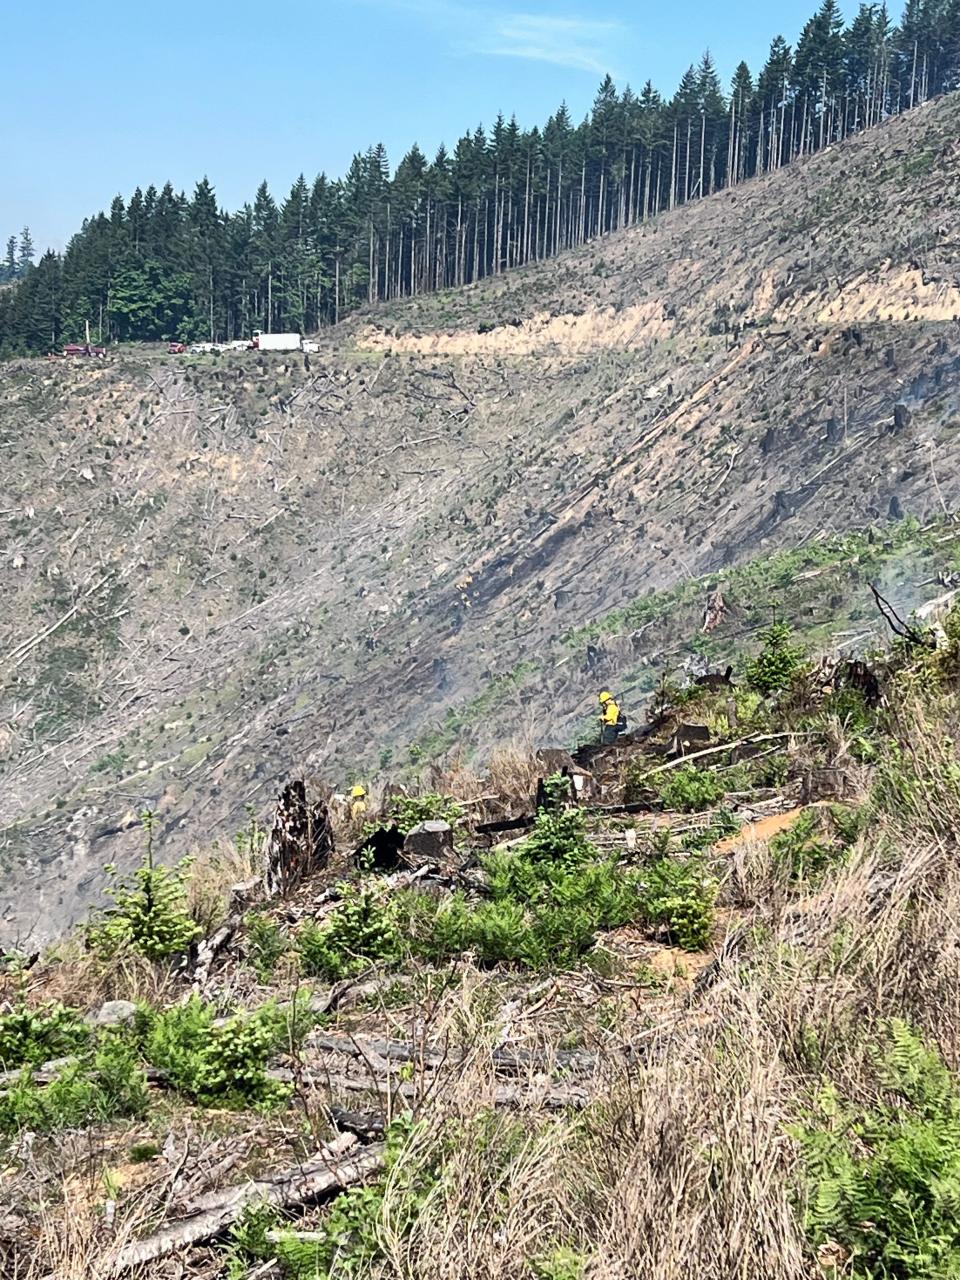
(102, 97)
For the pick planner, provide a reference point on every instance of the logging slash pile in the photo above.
(681, 1006)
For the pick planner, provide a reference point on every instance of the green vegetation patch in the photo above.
(103, 1085)
(548, 900)
(32, 1035)
(883, 1181)
(223, 1062)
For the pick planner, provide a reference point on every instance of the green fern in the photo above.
(885, 1183)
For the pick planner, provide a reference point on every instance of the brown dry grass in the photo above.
(82, 1227)
(215, 870)
(508, 784)
(83, 978)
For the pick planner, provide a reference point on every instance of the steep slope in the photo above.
(220, 571)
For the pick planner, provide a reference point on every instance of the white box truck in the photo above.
(275, 341)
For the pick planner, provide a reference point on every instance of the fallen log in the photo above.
(323, 1174)
(432, 1056)
(504, 824)
(209, 948)
(48, 1072)
(751, 740)
(514, 1096)
(366, 1125)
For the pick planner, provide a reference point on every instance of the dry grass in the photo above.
(215, 870)
(507, 787)
(81, 1229)
(85, 979)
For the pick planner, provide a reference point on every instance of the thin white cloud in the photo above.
(583, 44)
(579, 43)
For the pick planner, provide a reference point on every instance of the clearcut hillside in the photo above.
(444, 530)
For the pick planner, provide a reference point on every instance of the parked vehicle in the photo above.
(275, 341)
(84, 349)
(310, 345)
(177, 348)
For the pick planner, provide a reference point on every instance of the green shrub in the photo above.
(559, 835)
(119, 1075)
(549, 898)
(678, 896)
(364, 930)
(266, 943)
(40, 1034)
(221, 1065)
(99, 1086)
(149, 911)
(561, 1263)
(409, 811)
(778, 663)
(689, 789)
(885, 1182)
(752, 715)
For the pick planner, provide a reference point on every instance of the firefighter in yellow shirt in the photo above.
(358, 803)
(612, 723)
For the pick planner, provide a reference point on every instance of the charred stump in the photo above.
(381, 850)
(301, 840)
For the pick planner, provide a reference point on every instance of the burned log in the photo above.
(856, 674)
(594, 659)
(836, 431)
(716, 680)
(827, 782)
(901, 417)
(505, 824)
(687, 737)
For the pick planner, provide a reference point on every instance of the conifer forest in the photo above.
(163, 264)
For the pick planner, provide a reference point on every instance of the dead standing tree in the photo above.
(301, 840)
(715, 611)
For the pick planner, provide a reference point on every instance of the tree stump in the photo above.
(300, 843)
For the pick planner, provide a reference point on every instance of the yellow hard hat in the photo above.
(358, 793)
(606, 696)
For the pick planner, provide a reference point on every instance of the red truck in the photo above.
(84, 349)
(176, 348)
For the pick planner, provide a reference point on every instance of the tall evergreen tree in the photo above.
(25, 257)
(9, 270)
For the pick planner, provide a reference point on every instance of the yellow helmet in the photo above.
(358, 793)
(605, 697)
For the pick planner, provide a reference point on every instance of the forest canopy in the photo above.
(163, 264)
